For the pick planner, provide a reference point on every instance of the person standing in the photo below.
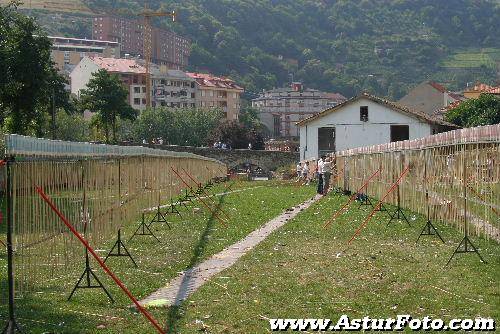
(305, 173)
(327, 172)
(298, 170)
(321, 166)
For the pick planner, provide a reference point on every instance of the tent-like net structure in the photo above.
(459, 170)
(99, 188)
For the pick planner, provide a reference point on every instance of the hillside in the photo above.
(70, 6)
(383, 46)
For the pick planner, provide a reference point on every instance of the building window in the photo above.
(137, 90)
(400, 132)
(143, 101)
(363, 114)
(137, 101)
(144, 89)
(192, 95)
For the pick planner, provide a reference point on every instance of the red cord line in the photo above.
(200, 199)
(482, 198)
(353, 196)
(98, 259)
(391, 189)
(199, 185)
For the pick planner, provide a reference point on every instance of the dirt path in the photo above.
(190, 280)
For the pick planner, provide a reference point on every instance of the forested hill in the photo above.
(384, 46)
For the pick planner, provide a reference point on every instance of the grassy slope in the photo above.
(470, 58)
(192, 239)
(296, 273)
(72, 6)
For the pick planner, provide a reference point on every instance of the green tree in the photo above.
(71, 127)
(232, 133)
(190, 126)
(107, 97)
(484, 110)
(28, 72)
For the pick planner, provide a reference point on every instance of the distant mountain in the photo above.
(382, 46)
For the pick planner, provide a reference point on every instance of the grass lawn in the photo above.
(300, 271)
(192, 239)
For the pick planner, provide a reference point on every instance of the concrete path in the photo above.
(181, 287)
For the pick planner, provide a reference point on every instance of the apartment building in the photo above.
(218, 92)
(280, 109)
(168, 48)
(132, 74)
(67, 52)
(172, 88)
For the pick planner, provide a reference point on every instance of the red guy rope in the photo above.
(201, 200)
(391, 189)
(98, 259)
(353, 196)
(208, 195)
(482, 199)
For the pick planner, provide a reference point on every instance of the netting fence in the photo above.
(99, 188)
(459, 170)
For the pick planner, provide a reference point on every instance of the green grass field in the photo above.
(192, 239)
(300, 271)
(473, 58)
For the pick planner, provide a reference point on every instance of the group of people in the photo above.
(222, 146)
(322, 171)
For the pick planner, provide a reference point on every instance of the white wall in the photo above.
(81, 74)
(350, 132)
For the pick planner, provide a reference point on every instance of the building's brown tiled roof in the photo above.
(119, 65)
(484, 88)
(209, 80)
(456, 96)
(494, 90)
(437, 86)
(393, 105)
(441, 112)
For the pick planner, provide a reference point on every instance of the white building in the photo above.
(131, 73)
(362, 121)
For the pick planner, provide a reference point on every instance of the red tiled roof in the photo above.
(484, 88)
(481, 87)
(494, 90)
(209, 80)
(437, 86)
(119, 65)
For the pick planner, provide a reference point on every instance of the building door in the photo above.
(400, 132)
(277, 126)
(326, 141)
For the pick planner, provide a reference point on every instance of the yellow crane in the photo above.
(148, 45)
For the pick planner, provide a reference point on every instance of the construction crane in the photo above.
(148, 45)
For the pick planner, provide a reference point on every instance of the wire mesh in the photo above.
(451, 167)
(99, 188)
